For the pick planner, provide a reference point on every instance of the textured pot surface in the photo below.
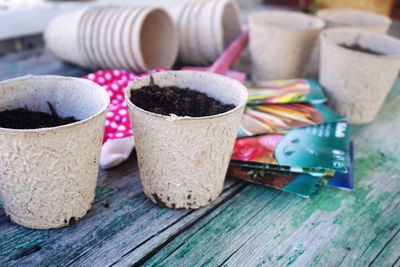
(183, 160)
(357, 83)
(281, 43)
(48, 175)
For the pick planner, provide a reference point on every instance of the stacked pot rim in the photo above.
(205, 28)
(133, 38)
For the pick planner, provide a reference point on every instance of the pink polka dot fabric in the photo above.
(117, 118)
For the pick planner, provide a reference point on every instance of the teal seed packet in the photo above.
(274, 118)
(342, 180)
(286, 91)
(319, 148)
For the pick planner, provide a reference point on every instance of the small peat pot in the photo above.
(281, 43)
(51, 131)
(358, 69)
(341, 17)
(183, 160)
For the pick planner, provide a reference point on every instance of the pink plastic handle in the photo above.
(228, 57)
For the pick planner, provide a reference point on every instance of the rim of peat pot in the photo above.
(279, 19)
(150, 55)
(185, 118)
(102, 92)
(347, 17)
(328, 34)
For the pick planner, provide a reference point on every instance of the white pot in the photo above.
(154, 40)
(281, 43)
(142, 38)
(48, 175)
(226, 24)
(61, 38)
(357, 83)
(183, 160)
(127, 41)
(205, 27)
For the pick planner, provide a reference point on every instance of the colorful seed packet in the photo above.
(299, 184)
(274, 118)
(317, 148)
(286, 91)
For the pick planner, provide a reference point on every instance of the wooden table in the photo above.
(249, 225)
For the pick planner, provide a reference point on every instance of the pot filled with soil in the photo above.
(51, 131)
(342, 17)
(185, 124)
(358, 69)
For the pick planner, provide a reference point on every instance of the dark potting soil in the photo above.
(359, 48)
(178, 101)
(22, 118)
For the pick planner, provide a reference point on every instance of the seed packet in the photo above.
(344, 180)
(316, 172)
(299, 184)
(318, 148)
(286, 91)
(273, 118)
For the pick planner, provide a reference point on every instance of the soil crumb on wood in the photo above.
(22, 118)
(179, 101)
(359, 48)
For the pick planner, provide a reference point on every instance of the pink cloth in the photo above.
(118, 142)
(115, 81)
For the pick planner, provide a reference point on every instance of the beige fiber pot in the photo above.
(206, 28)
(48, 175)
(347, 18)
(183, 160)
(281, 43)
(61, 38)
(357, 83)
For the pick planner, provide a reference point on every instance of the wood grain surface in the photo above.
(248, 225)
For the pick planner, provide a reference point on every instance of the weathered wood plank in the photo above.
(388, 256)
(248, 225)
(334, 228)
(36, 61)
(140, 238)
(121, 221)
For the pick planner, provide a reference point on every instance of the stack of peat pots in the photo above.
(131, 38)
(206, 28)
